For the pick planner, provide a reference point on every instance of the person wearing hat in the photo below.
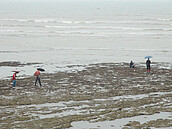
(37, 75)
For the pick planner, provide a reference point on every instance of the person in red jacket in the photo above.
(37, 75)
(14, 78)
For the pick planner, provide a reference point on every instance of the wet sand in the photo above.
(98, 93)
(15, 64)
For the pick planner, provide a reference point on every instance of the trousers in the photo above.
(14, 83)
(148, 67)
(39, 80)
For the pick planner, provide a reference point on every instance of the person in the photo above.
(14, 79)
(148, 62)
(131, 64)
(37, 75)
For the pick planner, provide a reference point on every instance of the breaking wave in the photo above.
(122, 21)
(145, 50)
(50, 20)
(164, 19)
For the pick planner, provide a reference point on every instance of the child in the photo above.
(14, 78)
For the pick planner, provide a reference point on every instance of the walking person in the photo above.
(148, 62)
(14, 78)
(37, 75)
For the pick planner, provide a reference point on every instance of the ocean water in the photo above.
(66, 32)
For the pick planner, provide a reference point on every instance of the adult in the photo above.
(131, 64)
(37, 75)
(148, 62)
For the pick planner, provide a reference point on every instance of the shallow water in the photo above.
(66, 32)
(119, 123)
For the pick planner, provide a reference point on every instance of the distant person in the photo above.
(131, 64)
(14, 78)
(148, 62)
(37, 75)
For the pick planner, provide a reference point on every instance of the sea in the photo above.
(60, 33)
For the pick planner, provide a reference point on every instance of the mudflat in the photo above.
(98, 93)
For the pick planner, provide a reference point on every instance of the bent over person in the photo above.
(131, 64)
(37, 75)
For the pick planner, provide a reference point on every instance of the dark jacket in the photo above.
(148, 62)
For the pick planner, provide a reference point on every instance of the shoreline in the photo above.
(27, 68)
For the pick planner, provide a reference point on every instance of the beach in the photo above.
(85, 47)
(104, 95)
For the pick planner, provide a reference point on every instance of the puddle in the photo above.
(119, 123)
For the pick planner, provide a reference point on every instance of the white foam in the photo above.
(164, 19)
